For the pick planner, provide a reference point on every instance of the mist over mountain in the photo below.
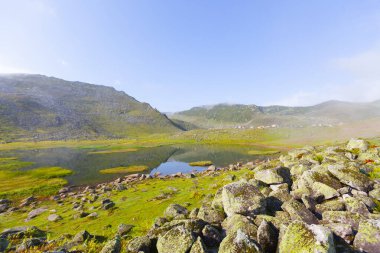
(238, 115)
(41, 107)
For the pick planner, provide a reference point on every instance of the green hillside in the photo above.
(324, 114)
(40, 107)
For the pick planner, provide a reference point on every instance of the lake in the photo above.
(86, 163)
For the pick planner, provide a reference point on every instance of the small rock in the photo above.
(124, 229)
(82, 236)
(34, 213)
(54, 217)
(139, 244)
(112, 246)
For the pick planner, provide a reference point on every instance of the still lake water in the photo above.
(163, 159)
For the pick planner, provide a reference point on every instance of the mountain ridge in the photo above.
(38, 107)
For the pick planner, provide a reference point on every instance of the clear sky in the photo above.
(175, 54)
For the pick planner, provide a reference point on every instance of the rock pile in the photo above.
(310, 200)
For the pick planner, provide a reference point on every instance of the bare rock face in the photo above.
(242, 198)
(368, 236)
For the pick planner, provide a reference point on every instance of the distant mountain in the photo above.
(238, 115)
(41, 107)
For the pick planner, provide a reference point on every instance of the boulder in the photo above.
(330, 205)
(29, 243)
(112, 246)
(375, 194)
(82, 236)
(198, 246)
(326, 191)
(267, 237)
(238, 242)
(342, 230)
(357, 144)
(3, 244)
(355, 205)
(353, 219)
(298, 212)
(140, 244)
(54, 217)
(368, 236)
(239, 222)
(175, 211)
(34, 213)
(195, 225)
(107, 204)
(242, 198)
(124, 229)
(211, 215)
(300, 237)
(22, 232)
(178, 239)
(211, 236)
(350, 177)
(269, 176)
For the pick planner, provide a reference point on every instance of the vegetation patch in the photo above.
(375, 173)
(113, 151)
(201, 163)
(263, 152)
(122, 170)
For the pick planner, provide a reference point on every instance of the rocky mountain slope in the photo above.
(41, 107)
(328, 113)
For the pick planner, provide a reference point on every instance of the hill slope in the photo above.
(328, 113)
(40, 107)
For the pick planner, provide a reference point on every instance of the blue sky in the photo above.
(175, 54)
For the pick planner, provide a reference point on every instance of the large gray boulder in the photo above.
(239, 222)
(357, 144)
(299, 212)
(273, 176)
(139, 244)
(175, 211)
(350, 177)
(211, 215)
(238, 242)
(112, 246)
(242, 198)
(368, 236)
(176, 240)
(300, 237)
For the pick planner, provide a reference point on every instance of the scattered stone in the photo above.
(300, 237)
(368, 236)
(238, 242)
(54, 217)
(34, 213)
(82, 236)
(198, 246)
(242, 198)
(124, 229)
(211, 236)
(298, 212)
(175, 211)
(112, 246)
(357, 144)
(267, 237)
(139, 244)
(107, 204)
(350, 177)
(178, 239)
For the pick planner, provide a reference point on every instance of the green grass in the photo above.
(139, 206)
(263, 152)
(375, 174)
(120, 170)
(16, 183)
(201, 163)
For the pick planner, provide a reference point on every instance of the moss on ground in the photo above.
(138, 205)
(201, 163)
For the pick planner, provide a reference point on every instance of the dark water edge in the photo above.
(163, 159)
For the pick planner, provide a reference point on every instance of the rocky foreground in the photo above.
(314, 199)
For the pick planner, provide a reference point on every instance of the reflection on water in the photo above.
(163, 159)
